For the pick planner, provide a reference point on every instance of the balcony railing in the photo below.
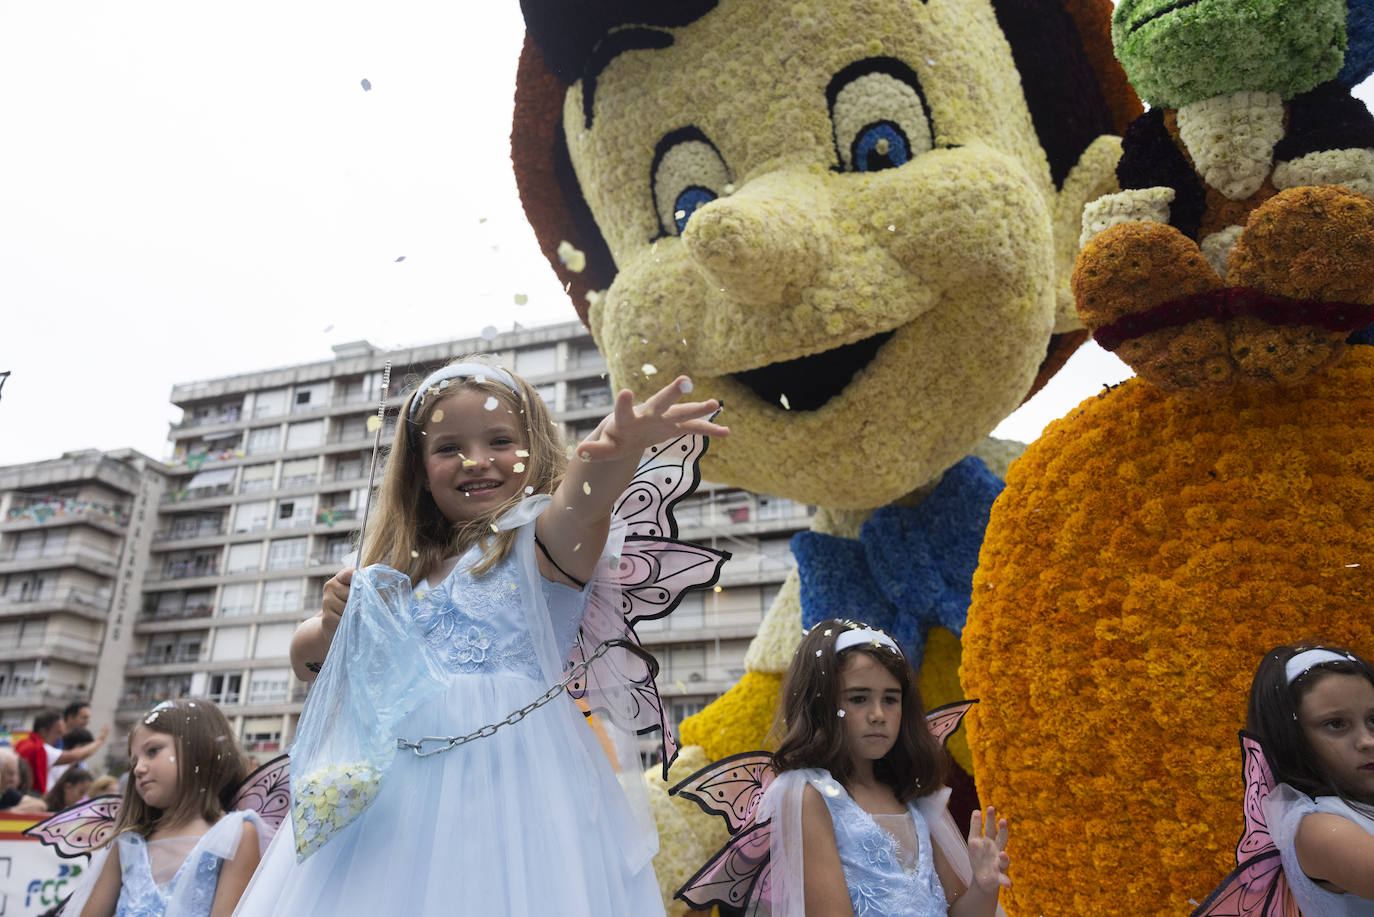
(50, 596)
(228, 415)
(46, 510)
(201, 531)
(201, 610)
(175, 657)
(197, 493)
(185, 570)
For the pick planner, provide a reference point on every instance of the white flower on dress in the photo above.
(470, 647)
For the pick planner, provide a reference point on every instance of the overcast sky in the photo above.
(190, 191)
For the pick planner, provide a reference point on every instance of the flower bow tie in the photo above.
(910, 569)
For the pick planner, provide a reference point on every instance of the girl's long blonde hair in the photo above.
(407, 532)
(210, 767)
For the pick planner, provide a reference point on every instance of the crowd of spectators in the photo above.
(43, 771)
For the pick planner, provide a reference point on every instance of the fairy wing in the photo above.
(267, 791)
(654, 574)
(730, 787)
(77, 831)
(737, 876)
(944, 720)
(667, 473)
(1257, 886)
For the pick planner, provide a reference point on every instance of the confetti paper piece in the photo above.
(367, 85)
(481, 219)
(785, 404)
(584, 457)
(573, 258)
(839, 713)
(577, 546)
(400, 259)
(374, 423)
(489, 333)
(679, 214)
(438, 415)
(414, 553)
(522, 453)
(518, 467)
(469, 463)
(491, 403)
(648, 369)
(685, 386)
(521, 299)
(529, 490)
(494, 528)
(328, 328)
(586, 488)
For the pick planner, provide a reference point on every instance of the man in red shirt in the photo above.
(40, 749)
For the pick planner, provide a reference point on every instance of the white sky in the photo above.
(190, 191)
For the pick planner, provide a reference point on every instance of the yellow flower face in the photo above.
(837, 219)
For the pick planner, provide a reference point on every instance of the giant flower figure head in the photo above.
(1179, 53)
(852, 223)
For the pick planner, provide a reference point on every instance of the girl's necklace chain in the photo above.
(448, 743)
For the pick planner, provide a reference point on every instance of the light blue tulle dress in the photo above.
(529, 821)
(887, 859)
(1285, 809)
(191, 890)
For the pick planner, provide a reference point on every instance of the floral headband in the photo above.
(440, 378)
(864, 635)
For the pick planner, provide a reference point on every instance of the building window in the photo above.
(230, 643)
(286, 553)
(299, 472)
(237, 599)
(281, 595)
(251, 517)
(258, 477)
(270, 404)
(244, 557)
(305, 435)
(263, 441)
(536, 361)
(268, 686)
(226, 688)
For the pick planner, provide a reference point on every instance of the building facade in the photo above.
(75, 534)
(262, 503)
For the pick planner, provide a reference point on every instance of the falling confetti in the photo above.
(578, 546)
(573, 258)
(481, 219)
(518, 467)
(648, 369)
(521, 299)
(586, 488)
(685, 386)
(328, 328)
(522, 453)
(367, 85)
(494, 528)
(837, 712)
(786, 405)
(374, 423)
(491, 403)
(400, 259)
(414, 553)
(529, 490)
(469, 463)
(489, 333)
(438, 415)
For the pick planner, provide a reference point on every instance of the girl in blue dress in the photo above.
(473, 589)
(859, 824)
(176, 849)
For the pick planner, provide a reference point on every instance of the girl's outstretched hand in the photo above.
(631, 428)
(987, 851)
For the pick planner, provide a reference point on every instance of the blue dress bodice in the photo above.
(477, 623)
(191, 891)
(878, 885)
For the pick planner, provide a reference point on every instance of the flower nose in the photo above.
(764, 244)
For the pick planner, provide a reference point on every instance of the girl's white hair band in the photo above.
(479, 371)
(864, 635)
(1308, 658)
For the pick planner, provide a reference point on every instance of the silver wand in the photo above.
(376, 450)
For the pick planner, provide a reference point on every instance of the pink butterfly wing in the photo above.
(77, 831)
(1257, 886)
(267, 791)
(737, 876)
(944, 720)
(654, 573)
(667, 472)
(730, 787)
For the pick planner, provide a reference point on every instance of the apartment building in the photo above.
(74, 540)
(262, 503)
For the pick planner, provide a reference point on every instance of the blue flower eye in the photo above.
(880, 146)
(687, 202)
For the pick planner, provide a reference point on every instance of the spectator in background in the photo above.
(11, 798)
(105, 786)
(69, 789)
(74, 739)
(76, 715)
(39, 750)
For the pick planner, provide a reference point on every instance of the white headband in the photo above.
(1309, 658)
(479, 371)
(864, 635)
